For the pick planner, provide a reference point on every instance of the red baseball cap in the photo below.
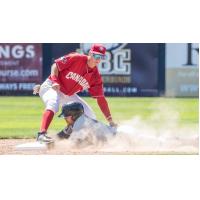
(98, 49)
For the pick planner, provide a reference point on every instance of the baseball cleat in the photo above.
(43, 138)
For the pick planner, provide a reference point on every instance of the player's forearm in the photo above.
(103, 104)
(54, 70)
(54, 74)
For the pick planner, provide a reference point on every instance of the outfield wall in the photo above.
(130, 69)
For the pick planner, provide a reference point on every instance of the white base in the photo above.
(31, 146)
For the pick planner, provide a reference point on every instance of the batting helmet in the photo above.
(74, 109)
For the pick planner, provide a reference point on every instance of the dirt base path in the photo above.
(8, 147)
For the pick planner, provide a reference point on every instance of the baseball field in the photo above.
(20, 116)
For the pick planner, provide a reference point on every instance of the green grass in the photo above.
(20, 116)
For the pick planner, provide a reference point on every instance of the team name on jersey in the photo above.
(79, 79)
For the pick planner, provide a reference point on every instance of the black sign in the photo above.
(130, 69)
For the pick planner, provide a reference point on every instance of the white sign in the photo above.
(182, 54)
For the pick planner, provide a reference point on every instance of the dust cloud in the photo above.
(161, 133)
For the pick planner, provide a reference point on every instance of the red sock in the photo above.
(46, 120)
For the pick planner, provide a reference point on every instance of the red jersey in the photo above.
(75, 75)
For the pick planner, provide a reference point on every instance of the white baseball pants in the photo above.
(53, 99)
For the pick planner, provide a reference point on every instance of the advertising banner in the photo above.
(130, 69)
(20, 67)
(182, 82)
(182, 70)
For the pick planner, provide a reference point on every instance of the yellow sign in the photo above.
(182, 82)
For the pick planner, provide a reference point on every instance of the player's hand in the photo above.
(56, 86)
(36, 89)
(113, 124)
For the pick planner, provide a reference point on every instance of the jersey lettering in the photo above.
(79, 79)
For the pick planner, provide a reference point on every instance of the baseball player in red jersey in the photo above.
(71, 74)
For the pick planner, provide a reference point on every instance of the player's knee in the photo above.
(53, 105)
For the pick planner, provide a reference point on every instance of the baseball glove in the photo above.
(36, 89)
